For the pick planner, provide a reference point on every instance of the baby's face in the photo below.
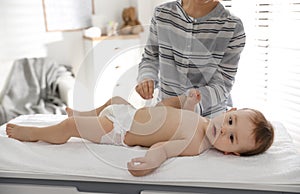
(231, 132)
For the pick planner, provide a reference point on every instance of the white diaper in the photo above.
(122, 117)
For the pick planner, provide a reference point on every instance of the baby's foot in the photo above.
(21, 133)
(192, 99)
(69, 111)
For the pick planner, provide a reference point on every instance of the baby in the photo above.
(170, 129)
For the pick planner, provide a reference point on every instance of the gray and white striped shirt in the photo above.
(183, 52)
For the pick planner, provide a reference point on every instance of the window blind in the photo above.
(260, 42)
(227, 3)
(269, 71)
(250, 88)
(284, 86)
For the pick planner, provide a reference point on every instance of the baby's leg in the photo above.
(191, 100)
(96, 112)
(175, 101)
(90, 128)
(53, 134)
(188, 102)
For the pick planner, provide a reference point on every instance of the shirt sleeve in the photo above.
(149, 65)
(217, 91)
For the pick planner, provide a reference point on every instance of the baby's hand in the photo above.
(142, 166)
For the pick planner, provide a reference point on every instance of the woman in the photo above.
(192, 44)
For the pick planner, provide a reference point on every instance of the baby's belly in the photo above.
(153, 125)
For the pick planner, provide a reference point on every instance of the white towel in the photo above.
(279, 165)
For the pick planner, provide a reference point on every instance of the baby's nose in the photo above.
(223, 130)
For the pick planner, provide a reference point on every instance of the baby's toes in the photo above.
(69, 111)
(9, 132)
(198, 97)
(10, 125)
(195, 96)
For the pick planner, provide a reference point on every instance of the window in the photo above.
(66, 15)
(269, 70)
(227, 4)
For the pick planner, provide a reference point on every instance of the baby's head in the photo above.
(263, 133)
(242, 132)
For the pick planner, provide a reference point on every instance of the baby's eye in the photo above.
(231, 138)
(230, 121)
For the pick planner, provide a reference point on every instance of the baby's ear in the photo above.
(232, 109)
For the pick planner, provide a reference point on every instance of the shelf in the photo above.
(120, 37)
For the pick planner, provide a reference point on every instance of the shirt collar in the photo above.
(217, 11)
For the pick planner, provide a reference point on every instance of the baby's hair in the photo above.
(263, 133)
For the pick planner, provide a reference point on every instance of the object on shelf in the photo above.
(119, 37)
(93, 32)
(131, 24)
(112, 28)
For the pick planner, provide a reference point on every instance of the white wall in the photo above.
(111, 11)
(22, 34)
(145, 13)
(22, 31)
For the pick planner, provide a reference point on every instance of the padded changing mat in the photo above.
(78, 157)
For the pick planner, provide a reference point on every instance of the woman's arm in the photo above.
(217, 91)
(149, 66)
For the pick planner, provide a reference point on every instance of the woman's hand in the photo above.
(145, 89)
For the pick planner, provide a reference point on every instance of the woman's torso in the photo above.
(192, 49)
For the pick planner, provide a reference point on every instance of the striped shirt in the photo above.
(203, 53)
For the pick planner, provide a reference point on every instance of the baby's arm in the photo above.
(158, 154)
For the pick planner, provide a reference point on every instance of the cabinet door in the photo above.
(115, 68)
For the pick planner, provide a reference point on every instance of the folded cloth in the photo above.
(32, 87)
